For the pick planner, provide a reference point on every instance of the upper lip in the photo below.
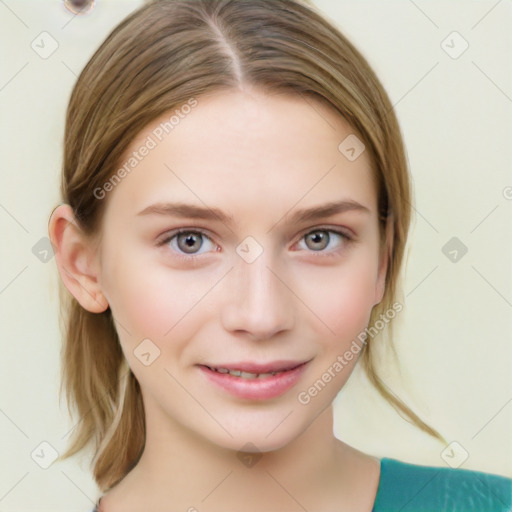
(251, 367)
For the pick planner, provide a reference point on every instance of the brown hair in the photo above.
(158, 58)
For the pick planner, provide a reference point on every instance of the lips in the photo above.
(255, 381)
(255, 371)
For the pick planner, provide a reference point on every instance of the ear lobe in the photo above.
(76, 260)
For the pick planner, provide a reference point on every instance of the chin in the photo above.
(260, 433)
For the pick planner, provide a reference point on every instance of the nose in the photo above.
(258, 303)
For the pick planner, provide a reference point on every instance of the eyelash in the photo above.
(346, 239)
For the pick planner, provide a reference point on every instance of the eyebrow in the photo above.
(184, 210)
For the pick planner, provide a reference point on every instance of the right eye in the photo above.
(188, 242)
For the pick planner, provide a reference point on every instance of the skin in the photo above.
(258, 157)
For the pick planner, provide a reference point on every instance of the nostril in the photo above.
(79, 6)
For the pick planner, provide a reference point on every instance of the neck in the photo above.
(179, 467)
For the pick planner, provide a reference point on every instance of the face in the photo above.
(240, 259)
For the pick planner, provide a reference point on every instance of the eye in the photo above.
(189, 242)
(193, 242)
(319, 239)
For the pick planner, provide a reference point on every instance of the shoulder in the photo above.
(409, 487)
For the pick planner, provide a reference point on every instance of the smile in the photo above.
(255, 382)
(245, 375)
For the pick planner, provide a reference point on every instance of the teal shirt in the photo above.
(407, 487)
(410, 488)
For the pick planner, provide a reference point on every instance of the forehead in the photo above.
(247, 150)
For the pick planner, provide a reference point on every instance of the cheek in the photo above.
(352, 304)
(153, 301)
(343, 299)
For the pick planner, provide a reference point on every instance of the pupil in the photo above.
(188, 242)
(319, 237)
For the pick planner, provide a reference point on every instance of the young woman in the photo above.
(236, 205)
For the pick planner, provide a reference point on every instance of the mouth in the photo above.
(253, 381)
(255, 371)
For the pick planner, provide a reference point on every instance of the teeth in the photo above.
(245, 375)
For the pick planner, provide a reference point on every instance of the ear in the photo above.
(76, 259)
(384, 258)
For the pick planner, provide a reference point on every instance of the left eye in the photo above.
(189, 242)
(319, 239)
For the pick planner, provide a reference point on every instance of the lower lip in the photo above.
(256, 389)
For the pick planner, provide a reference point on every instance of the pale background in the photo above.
(454, 343)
